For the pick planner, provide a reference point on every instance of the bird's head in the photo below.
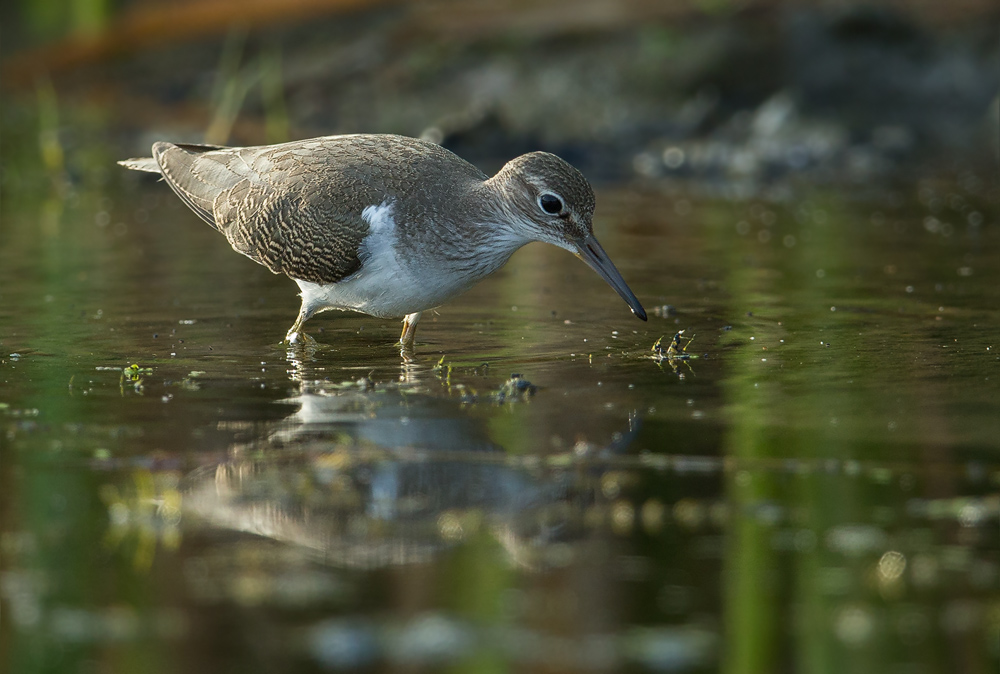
(547, 199)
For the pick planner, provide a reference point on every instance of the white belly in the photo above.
(380, 292)
(389, 284)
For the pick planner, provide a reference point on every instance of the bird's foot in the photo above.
(297, 337)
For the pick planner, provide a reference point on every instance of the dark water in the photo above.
(817, 491)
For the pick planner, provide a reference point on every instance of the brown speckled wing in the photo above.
(296, 207)
(274, 205)
(175, 162)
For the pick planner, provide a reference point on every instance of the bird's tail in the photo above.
(147, 164)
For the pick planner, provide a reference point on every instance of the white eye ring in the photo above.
(550, 203)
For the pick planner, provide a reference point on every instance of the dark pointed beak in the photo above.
(591, 252)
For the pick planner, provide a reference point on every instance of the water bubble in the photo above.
(611, 485)
(622, 518)
(673, 157)
(689, 513)
(450, 526)
(891, 565)
(972, 513)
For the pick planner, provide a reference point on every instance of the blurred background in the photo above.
(744, 88)
(806, 192)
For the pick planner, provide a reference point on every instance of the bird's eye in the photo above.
(550, 203)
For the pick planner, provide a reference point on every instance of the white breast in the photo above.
(387, 285)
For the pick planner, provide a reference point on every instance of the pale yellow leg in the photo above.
(295, 334)
(409, 329)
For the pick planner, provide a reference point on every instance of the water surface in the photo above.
(815, 490)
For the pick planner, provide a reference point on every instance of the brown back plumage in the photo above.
(296, 208)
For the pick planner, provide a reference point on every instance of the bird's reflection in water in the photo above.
(356, 497)
(306, 356)
(371, 475)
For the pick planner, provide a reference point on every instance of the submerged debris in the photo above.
(133, 371)
(517, 388)
(673, 350)
(673, 353)
(443, 369)
(133, 374)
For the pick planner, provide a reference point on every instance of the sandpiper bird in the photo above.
(386, 225)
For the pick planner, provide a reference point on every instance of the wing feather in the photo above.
(272, 206)
(297, 207)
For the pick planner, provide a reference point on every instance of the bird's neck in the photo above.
(497, 231)
(471, 238)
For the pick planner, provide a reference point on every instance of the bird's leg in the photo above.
(406, 338)
(409, 330)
